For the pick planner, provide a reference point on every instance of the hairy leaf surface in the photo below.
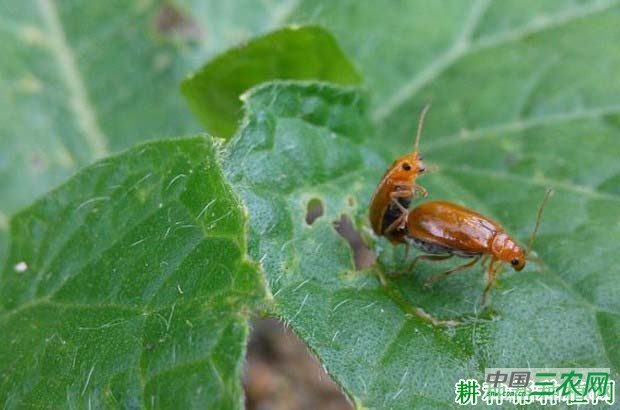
(128, 286)
(306, 142)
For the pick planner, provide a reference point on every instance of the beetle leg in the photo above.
(490, 280)
(398, 223)
(413, 190)
(437, 278)
(429, 258)
(394, 195)
(420, 189)
(485, 261)
(421, 258)
(402, 219)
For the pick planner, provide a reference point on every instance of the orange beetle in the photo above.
(444, 229)
(390, 201)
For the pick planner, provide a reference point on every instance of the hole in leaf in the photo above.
(364, 257)
(315, 210)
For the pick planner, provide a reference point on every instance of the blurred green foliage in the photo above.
(524, 95)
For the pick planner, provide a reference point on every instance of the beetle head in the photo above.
(507, 250)
(409, 166)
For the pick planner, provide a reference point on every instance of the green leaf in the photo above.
(308, 142)
(487, 67)
(523, 96)
(80, 80)
(291, 53)
(128, 287)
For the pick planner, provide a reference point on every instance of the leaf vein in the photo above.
(521, 125)
(535, 180)
(78, 101)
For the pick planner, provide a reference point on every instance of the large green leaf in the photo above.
(80, 79)
(128, 287)
(307, 142)
(524, 95)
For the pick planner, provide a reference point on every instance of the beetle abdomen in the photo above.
(428, 247)
(437, 249)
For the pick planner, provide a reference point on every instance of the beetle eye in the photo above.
(406, 167)
(515, 262)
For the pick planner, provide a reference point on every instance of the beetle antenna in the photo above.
(420, 123)
(548, 193)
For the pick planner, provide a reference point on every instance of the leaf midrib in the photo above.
(79, 103)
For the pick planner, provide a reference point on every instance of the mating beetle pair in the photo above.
(441, 229)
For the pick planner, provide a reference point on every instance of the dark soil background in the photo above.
(281, 374)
